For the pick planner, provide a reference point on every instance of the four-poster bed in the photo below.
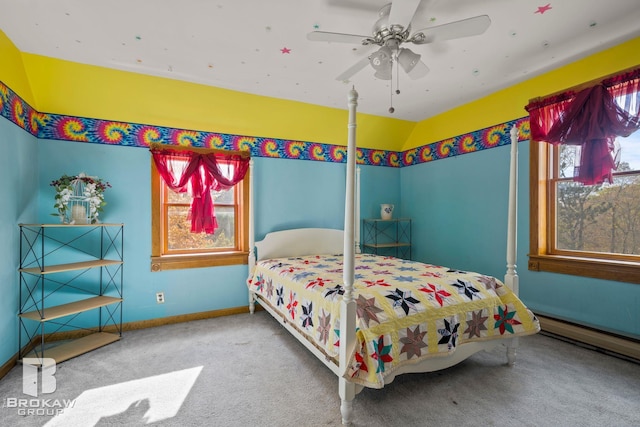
(369, 318)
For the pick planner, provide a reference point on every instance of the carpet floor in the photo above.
(246, 370)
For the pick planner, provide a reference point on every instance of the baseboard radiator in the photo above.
(623, 346)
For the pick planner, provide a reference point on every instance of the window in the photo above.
(174, 246)
(602, 218)
(585, 230)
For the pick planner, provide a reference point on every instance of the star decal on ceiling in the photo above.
(542, 9)
(285, 50)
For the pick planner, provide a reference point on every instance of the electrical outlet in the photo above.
(160, 297)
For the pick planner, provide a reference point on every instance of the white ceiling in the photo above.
(260, 46)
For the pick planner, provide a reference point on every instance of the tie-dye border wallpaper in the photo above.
(99, 131)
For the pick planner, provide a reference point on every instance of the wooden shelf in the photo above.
(76, 347)
(58, 311)
(70, 267)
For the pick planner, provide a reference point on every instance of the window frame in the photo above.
(160, 261)
(542, 195)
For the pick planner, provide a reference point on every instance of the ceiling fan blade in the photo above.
(363, 5)
(453, 30)
(402, 12)
(353, 69)
(324, 36)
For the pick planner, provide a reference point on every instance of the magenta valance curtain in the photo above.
(200, 174)
(591, 118)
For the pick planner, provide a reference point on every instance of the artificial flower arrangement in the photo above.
(80, 190)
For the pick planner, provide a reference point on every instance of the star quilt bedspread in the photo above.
(406, 311)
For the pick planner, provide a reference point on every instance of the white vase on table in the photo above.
(386, 211)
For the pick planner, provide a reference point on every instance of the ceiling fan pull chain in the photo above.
(391, 109)
(397, 75)
(394, 62)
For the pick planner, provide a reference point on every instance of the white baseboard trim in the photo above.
(615, 344)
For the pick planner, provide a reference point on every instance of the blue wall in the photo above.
(459, 207)
(379, 185)
(18, 195)
(288, 193)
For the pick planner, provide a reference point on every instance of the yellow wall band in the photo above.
(12, 70)
(73, 89)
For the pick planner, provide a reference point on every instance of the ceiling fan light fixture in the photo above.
(383, 74)
(411, 64)
(408, 59)
(381, 59)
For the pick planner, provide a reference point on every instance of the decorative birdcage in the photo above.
(80, 198)
(79, 205)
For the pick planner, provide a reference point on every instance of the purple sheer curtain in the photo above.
(592, 119)
(200, 173)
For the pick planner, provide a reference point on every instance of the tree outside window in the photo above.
(603, 218)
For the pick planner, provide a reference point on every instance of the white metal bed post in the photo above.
(252, 239)
(511, 276)
(348, 306)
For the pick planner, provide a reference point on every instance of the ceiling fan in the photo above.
(391, 31)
